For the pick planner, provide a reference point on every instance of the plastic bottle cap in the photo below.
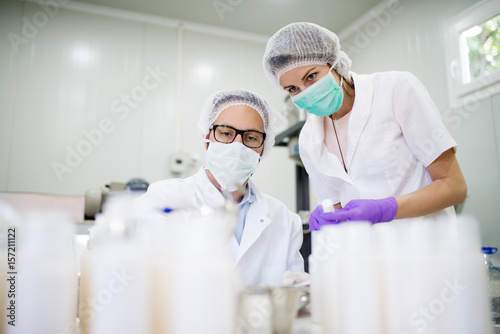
(489, 250)
(327, 205)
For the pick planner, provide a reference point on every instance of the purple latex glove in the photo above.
(372, 210)
(318, 218)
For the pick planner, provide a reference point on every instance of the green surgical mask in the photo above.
(323, 98)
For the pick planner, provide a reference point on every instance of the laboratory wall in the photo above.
(92, 96)
(409, 36)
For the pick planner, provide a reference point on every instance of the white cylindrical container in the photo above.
(327, 205)
(389, 263)
(119, 293)
(462, 305)
(119, 290)
(160, 242)
(320, 252)
(420, 276)
(45, 276)
(255, 312)
(204, 292)
(329, 291)
(84, 293)
(359, 295)
(492, 261)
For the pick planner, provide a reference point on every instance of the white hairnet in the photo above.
(224, 99)
(301, 44)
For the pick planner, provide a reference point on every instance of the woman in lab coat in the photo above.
(373, 144)
(236, 128)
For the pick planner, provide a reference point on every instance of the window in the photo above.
(472, 41)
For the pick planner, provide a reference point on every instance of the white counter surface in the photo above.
(304, 325)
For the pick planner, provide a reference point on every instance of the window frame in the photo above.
(461, 93)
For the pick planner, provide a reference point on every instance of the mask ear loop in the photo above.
(341, 77)
(206, 142)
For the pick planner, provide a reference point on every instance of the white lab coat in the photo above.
(271, 239)
(395, 131)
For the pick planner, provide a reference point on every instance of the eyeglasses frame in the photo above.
(238, 132)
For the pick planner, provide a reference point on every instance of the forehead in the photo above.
(297, 73)
(241, 117)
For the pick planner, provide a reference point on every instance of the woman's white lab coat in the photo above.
(271, 239)
(395, 131)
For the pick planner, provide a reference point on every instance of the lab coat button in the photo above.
(262, 220)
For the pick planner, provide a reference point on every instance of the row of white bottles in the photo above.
(40, 272)
(174, 277)
(401, 278)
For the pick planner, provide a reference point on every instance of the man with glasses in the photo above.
(236, 128)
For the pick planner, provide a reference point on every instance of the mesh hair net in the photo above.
(301, 44)
(224, 99)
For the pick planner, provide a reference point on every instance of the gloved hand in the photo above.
(294, 277)
(318, 218)
(372, 210)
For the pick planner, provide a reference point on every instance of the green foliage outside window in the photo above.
(483, 42)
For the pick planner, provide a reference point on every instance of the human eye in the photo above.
(291, 89)
(253, 137)
(224, 132)
(311, 76)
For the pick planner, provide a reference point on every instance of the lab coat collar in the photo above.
(359, 114)
(257, 221)
(249, 196)
(321, 156)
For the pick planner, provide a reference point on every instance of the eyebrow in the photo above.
(305, 76)
(308, 72)
(230, 126)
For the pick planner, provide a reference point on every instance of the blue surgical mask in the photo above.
(323, 98)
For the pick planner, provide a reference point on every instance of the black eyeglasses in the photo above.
(227, 134)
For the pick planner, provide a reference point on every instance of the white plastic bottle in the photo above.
(359, 279)
(46, 279)
(119, 291)
(321, 250)
(492, 261)
(328, 271)
(204, 291)
(463, 304)
(390, 261)
(159, 243)
(84, 286)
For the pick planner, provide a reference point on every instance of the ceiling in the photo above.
(263, 17)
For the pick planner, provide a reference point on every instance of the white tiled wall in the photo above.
(105, 87)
